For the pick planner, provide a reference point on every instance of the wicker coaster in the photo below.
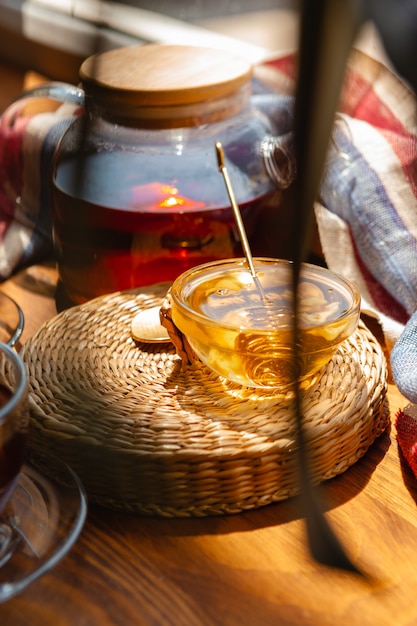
(146, 435)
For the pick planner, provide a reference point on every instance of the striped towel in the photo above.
(370, 189)
(367, 209)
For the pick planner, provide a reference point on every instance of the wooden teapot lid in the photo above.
(162, 75)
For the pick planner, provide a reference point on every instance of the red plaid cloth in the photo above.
(367, 214)
(368, 201)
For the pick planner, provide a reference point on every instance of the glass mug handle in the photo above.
(279, 159)
(46, 98)
(43, 103)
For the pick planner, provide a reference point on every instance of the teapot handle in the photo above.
(44, 98)
(279, 159)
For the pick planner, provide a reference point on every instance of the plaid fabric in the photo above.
(367, 210)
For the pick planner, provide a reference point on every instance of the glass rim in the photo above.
(181, 282)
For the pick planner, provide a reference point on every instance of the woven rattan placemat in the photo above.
(146, 435)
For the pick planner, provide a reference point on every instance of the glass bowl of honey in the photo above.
(247, 337)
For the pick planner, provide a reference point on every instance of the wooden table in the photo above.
(252, 568)
(249, 569)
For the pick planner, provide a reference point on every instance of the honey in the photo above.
(249, 340)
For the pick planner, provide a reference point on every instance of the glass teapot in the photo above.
(136, 195)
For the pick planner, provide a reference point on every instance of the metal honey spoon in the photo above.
(239, 222)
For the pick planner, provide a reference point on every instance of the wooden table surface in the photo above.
(248, 569)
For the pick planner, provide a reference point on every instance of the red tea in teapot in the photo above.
(159, 231)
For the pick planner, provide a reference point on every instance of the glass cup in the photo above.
(41, 512)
